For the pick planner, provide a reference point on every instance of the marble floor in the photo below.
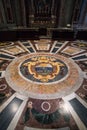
(43, 85)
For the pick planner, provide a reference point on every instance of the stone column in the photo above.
(23, 13)
(17, 13)
(83, 14)
(32, 5)
(52, 8)
(62, 13)
(4, 22)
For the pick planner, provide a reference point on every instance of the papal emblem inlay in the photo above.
(43, 69)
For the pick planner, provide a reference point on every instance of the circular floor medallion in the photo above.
(45, 106)
(44, 75)
(43, 69)
(3, 87)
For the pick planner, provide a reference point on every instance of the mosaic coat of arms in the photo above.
(43, 69)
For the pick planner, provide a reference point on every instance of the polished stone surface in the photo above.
(49, 85)
(43, 69)
(8, 113)
(46, 78)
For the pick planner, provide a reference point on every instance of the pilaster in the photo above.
(17, 13)
(4, 22)
(23, 13)
(83, 14)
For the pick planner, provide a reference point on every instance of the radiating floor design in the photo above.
(49, 80)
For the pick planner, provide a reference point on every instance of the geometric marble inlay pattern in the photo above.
(48, 79)
(45, 75)
(72, 50)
